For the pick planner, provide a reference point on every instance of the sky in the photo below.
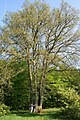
(14, 5)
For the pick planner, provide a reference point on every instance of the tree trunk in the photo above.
(30, 80)
(42, 84)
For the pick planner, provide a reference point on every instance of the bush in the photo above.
(71, 112)
(4, 110)
(72, 101)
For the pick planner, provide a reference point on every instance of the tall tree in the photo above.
(44, 38)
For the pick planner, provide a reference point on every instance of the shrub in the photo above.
(4, 110)
(72, 101)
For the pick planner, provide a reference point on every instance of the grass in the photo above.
(47, 114)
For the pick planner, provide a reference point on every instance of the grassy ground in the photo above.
(47, 114)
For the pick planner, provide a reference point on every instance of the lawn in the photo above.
(47, 114)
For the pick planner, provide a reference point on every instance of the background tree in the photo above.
(19, 98)
(60, 79)
(5, 76)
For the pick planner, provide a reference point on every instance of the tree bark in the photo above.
(30, 79)
(43, 78)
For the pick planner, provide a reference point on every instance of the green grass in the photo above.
(47, 114)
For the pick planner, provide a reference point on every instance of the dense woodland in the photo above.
(40, 57)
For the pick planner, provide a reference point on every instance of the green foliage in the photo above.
(72, 101)
(5, 75)
(63, 90)
(57, 79)
(4, 110)
(18, 98)
(20, 93)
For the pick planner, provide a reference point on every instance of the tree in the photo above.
(18, 97)
(5, 83)
(8, 70)
(44, 38)
(58, 80)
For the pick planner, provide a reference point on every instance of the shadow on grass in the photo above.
(50, 115)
